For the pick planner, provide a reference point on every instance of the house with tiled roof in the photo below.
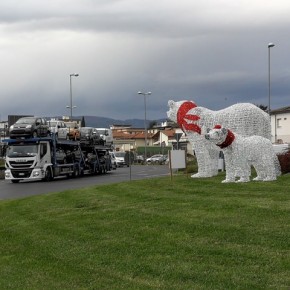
(128, 138)
(280, 125)
(169, 137)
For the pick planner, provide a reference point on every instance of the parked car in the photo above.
(59, 128)
(157, 158)
(29, 127)
(124, 158)
(73, 130)
(120, 158)
(90, 135)
(140, 158)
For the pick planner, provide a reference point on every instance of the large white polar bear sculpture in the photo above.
(245, 119)
(240, 152)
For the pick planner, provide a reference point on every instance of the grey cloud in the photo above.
(214, 54)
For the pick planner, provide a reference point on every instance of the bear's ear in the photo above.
(224, 131)
(217, 126)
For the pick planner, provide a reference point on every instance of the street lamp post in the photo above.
(71, 107)
(269, 75)
(145, 120)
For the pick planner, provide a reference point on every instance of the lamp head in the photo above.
(271, 45)
(145, 94)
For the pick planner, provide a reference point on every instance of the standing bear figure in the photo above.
(245, 119)
(242, 152)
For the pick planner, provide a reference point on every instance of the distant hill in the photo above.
(102, 122)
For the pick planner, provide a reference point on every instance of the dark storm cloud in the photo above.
(213, 52)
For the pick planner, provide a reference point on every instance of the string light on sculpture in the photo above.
(242, 152)
(245, 119)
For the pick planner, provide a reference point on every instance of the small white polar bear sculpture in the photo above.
(244, 118)
(240, 152)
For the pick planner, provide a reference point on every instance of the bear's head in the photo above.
(179, 113)
(221, 137)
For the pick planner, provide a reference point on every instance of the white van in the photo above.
(120, 158)
(107, 135)
(59, 128)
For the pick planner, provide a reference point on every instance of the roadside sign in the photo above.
(178, 136)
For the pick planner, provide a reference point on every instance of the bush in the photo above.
(284, 160)
(191, 164)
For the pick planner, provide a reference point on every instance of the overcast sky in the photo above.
(214, 52)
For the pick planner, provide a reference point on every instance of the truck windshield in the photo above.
(22, 151)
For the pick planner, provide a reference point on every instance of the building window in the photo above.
(279, 123)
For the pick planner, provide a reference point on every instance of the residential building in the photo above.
(128, 138)
(280, 125)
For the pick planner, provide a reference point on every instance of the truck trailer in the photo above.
(49, 157)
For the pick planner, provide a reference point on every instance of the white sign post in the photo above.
(177, 159)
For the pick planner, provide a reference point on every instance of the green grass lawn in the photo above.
(149, 234)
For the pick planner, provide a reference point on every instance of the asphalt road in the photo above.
(22, 189)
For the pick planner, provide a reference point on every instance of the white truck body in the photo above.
(46, 158)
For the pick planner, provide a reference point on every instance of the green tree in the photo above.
(262, 107)
(152, 124)
(83, 122)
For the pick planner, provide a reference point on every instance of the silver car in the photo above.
(59, 128)
(157, 158)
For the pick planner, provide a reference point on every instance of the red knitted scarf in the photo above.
(182, 115)
(228, 141)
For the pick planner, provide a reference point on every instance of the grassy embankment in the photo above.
(149, 234)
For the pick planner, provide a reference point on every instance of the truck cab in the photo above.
(28, 160)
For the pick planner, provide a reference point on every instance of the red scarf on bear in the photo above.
(182, 116)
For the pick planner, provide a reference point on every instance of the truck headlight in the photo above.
(35, 173)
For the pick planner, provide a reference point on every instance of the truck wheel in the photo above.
(48, 175)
